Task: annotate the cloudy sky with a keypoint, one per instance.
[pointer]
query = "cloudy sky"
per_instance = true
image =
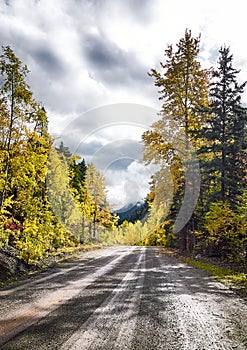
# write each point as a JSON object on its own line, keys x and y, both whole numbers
{"x": 88, "y": 62}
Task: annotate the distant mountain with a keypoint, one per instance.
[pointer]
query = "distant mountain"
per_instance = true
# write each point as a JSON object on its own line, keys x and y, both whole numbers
{"x": 132, "y": 212}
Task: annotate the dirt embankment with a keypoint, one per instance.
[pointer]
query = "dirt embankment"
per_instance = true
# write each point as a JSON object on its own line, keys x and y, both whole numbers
{"x": 12, "y": 267}
{"x": 10, "y": 264}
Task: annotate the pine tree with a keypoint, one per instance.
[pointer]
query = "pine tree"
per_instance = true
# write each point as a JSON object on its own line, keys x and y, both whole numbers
{"x": 64, "y": 150}
{"x": 77, "y": 177}
{"x": 225, "y": 133}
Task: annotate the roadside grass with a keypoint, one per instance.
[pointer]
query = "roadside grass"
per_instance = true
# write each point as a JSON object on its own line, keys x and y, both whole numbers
{"x": 236, "y": 281}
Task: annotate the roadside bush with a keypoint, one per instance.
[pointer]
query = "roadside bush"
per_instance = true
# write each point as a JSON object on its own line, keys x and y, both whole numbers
{"x": 157, "y": 238}
{"x": 223, "y": 239}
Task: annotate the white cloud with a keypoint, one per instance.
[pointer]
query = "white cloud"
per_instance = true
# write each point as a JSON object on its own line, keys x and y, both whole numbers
{"x": 91, "y": 53}
{"x": 128, "y": 186}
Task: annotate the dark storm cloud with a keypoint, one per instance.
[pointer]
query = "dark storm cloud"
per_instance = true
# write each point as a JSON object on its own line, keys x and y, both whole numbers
{"x": 48, "y": 61}
{"x": 102, "y": 54}
{"x": 115, "y": 155}
{"x": 112, "y": 65}
{"x": 140, "y": 10}
{"x": 104, "y": 135}
{"x": 102, "y": 118}
{"x": 81, "y": 70}
{"x": 88, "y": 149}
{"x": 120, "y": 164}
{"x": 121, "y": 153}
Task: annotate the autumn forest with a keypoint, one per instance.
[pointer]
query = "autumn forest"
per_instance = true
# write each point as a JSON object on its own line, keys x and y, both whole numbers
{"x": 50, "y": 199}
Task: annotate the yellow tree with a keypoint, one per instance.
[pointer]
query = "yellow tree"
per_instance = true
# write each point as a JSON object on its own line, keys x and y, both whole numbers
{"x": 19, "y": 112}
{"x": 26, "y": 215}
{"x": 64, "y": 205}
{"x": 24, "y": 145}
{"x": 183, "y": 89}
{"x": 100, "y": 212}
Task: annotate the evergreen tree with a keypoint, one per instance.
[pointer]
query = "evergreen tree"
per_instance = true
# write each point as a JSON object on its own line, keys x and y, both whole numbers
{"x": 225, "y": 134}
{"x": 78, "y": 175}
{"x": 64, "y": 150}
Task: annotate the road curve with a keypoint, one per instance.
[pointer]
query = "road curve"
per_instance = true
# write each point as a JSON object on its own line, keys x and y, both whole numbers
{"x": 122, "y": 298}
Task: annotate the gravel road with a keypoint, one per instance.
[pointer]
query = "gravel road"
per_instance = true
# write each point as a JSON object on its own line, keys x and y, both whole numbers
{"x": 122, "y": 298}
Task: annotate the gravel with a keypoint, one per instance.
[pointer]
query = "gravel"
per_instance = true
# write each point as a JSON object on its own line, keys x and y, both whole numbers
{"x": 122, "y": 298}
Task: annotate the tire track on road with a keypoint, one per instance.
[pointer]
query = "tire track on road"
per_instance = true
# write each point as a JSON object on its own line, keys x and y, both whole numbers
{"x": 19, "y": 320}
{"x": 52, "y": 275}
{"x": 113, "y": 323}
